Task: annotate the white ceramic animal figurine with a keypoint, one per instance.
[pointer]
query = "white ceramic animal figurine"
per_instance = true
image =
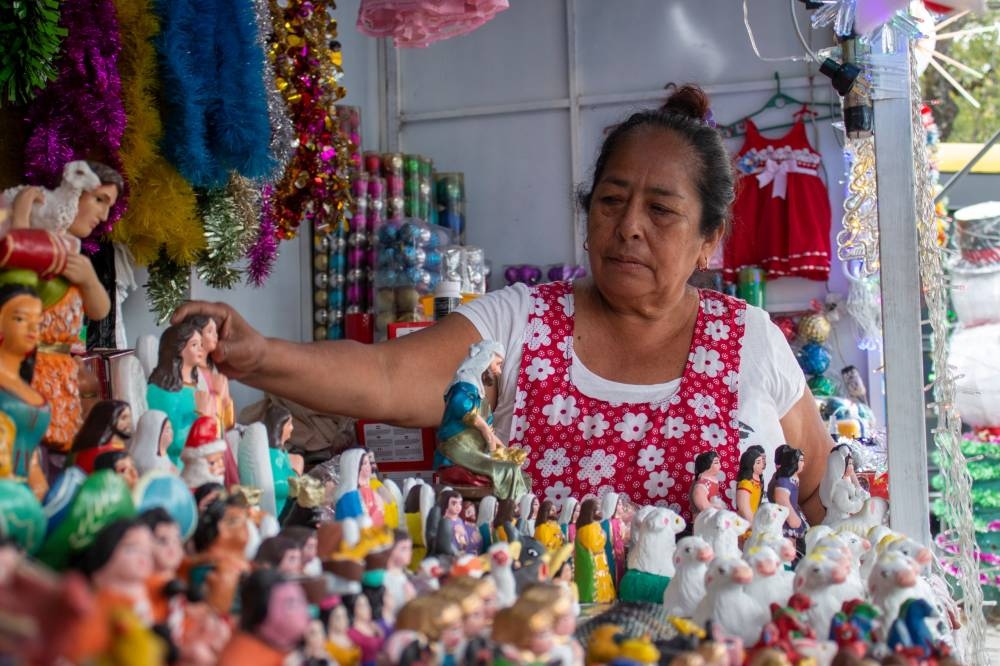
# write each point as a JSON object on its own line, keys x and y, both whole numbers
{"x": 687, "y": 587}
{"x": 501, "y": 570}
{"x": 656, "y": 541}
{"x": 875, "y": 536}
{"x": 874, "y": 512}
{"x": 893, "y": 580}
{"x": 814, "y": 534}
{"x": 58, "y": 209}
{"x": 726, "y": 602}
{"x": 836, "y": 547}
{"x": 634, "y": 528}
{"x": 771, "y": 582}
{"x": 766, "y": 526}
{"x": 721, "y": 528}
{"x": 818, "y": 576}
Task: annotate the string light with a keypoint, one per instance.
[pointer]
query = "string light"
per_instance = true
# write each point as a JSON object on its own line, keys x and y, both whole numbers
{"x": 859, "y": 238}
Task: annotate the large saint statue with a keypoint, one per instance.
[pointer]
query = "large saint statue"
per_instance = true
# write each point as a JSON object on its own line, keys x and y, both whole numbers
{"x": 466, "y": 439}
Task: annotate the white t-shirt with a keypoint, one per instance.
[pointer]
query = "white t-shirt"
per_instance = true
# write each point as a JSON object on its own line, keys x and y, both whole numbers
{"x": 771, "y": 381}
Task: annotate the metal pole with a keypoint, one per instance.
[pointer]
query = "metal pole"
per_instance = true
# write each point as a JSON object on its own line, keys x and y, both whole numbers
{"x": 968, "y": 167}
{"x": 909, "y": 508}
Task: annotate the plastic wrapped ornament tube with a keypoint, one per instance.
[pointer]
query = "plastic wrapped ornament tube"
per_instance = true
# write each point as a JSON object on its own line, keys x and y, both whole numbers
{"x": 859, "y": 237}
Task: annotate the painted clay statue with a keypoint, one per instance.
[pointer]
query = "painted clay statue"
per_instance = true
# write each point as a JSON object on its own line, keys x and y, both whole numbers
{"x": 203, "y": 453}
{"x": 474, "y": 647}
{"x": 473, "y": 539}
{"x": 524, "y": 635}
{"x": 148, "y": 446}
{"x": 264, "y": 462}
{"x": 24, "y": 412}
{"x": 771, "y": 582}
{"x": 750, "y": 481}
{"x": 547, "y": 529}
{"x": 357, "y": 506}
{"x": 527, "y": 507}
{"x": 651, "y": 560}
{"x": 502, "y": 573}
{"x": 417, "y": 506}
{"x": 438, "y": 619}
{"x": 705, "y": 489}
{"x": 687, "y": 587}
{"x": 121, "y": 463}
{"x": 168, "y": 553}
{"x": 593, "y": 577}
{"x": 338, "y": 643}
{"x": 55, "y": 209}
{"x": 108, "y": 427}
{"x": 567, "y": 518}
{"x": 209, "y": 378}
{"x": 726, "y": 602}
{"x": 840, "y": 491}
{"x": 721, "y": 529}
{"x": 612, "y": 510}
{"x": 220, "y": 542}
{"x": 558, "y": 601}
{"x": 784, "y": 490}
{"x": 273, "y": 619}
{"x": 465, "y": 436}
{"x": 173, "y": 384}
{"x": 446, "y": 534}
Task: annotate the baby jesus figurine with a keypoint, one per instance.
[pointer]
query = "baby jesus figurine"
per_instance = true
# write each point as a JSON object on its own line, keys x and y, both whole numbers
{"x": 466, "y": 439}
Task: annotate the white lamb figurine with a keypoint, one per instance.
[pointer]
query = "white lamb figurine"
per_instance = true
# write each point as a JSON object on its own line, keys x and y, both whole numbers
{"x": 836, "y": 547}
{"x": 721, "y": 528}
{"x": 818, "y": 576}
{"x": 687, "y": 587}
{"x": 655, "y": 542}
{"x": 874, "y": 512}
{"x": 637, "y": 518}
{"x": 771, "y": 582}
{"x": 930, "y": 586}
{"x": 726, "y": 602}
{"x": 58, "y": 210}
{"x": 893, "y": 580}
{"x": 875, "y": 537}
{"x": 765, "y": 529}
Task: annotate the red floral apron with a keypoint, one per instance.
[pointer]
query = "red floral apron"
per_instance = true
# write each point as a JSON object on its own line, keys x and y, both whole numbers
{"x": 581, "y": 446}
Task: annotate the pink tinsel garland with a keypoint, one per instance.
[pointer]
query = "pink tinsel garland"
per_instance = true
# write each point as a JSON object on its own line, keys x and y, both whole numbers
{"x": 80, "y": 115}
{"x": 265, "y": 249}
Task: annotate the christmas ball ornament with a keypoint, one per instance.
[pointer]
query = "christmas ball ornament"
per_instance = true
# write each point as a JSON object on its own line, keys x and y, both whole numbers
{"x": 788, "y": 327}
{"x": 814, "y": 358}
{"x": 21, "y": 517}
{"x": 821, "y": 385}
{"x": 407, "y": 299}
{"x": 814, "y": 328}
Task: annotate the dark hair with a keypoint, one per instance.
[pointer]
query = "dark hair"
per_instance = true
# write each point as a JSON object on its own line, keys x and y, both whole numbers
{"x": 274, "y": 420}
{"x": 300, "y": 534}
{"x": 446, "y": 497}
{"x": 779, "y": 452}
{"x": 546, "y": 508}
{"x": 848, "y": 458}
{"x": 109, "y": 459}
{"x": 684, "y": 113}
{"x": 200, "y": 321}
{"x": 272, "y": 550}
{"x": 208, "y": 522}
{"x": 167, "y": 373}
{"x": 703, "y": 461}
{"x": 505, "y": 512}
{"x": 99, "y": 426}
{"x": 99, "y": 552}
{"x": 376, "y": 599}
{"x": 107, "y": 175}
{"x": 206, "y": 489}
{"x": 788, "y": 465}
{"x": 153, "y": 518}
{"x": 411, "y": 504}
{"x": 7, "y": 292}
{"x": 255, "y": 595}
{"x": 588, "y": 511}
{"x": 747, "y": 461}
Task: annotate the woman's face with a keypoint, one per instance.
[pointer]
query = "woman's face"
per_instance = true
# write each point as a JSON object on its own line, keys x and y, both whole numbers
{"x": 365, "y": 472}
{"x": 715, "y": 468}
{"x": 309, "y": 549}
{"x": 338, "y": 622}
{"x": 125, "y": 468}
{"x": 210, "y": 337}
{"x": 758, "y": 465}
{"x": 123, "y": 424}
{"x": 168, "y": 548}
{"x": 193, "y": 353}
{"x": 286, "y": 431}
{"x": 93, "y": 209}
{"x": 132, "y": 559}
{"x": 469, "y": 512}
{"x": 20, "y": 323}
{"x": 166, "y": 436}
{"x": 534, "y": 508}
{"x": 362, "y": 609}
{"x": 291, "y": 562}
{"x": 644, "y": 221}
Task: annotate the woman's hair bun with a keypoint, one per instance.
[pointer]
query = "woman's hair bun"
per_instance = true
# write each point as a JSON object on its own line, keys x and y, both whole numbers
{"x": 687, "y": 100}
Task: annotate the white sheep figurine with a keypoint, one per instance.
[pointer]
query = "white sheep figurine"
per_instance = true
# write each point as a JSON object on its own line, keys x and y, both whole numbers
{"x": 721, "y": 528}
{"x": 58, "y": 209}
{"x": 650, "y": 562}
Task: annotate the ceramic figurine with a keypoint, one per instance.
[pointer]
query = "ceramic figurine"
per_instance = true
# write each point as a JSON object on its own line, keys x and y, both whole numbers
{"x": 726, "y": 602}
{"x": 305, "y": 538}
{"x": 219, "y": 542}
{"x": 465, "y": 437}
{"x": 750, "y": 481}
{"x": 108, "y": 427}
{"x": 313, "y": 651}
{"x": 771, "y": 583}
{"x": 473, "y": 539}
{"x": 446, "y": 535}
{"x": 203, "y": 453}
{"x": 558, "y": 601}
{"x": 173, "y": 384}
{"x": 567, "y": 518}
{"x": 505, "y": 523}
{"x": 615, "y": 532}
{"x": 307, "y": 504}
{"x": 527, "y": 509}
{"x": 438, "y": 619}
{"x": 168, "y": 553}
{"x": 273, "y": 620}
{"x": 485, "y": 589}
{"x": 339, "y": 645}
{"x": 474, "y": 647}
{"x": 651, "y": 560}
{"x": 363, "y": 631}
{"x": 840, "y": 491}
{"x": 502, "y": 573}
{"x": 281, "y": 554}
{"x": 593, "y": 577}
{"x": 687, "y": 587}
{"x": 547, "y": 529}
{"x": 25, "y": 411}
{"x": 767, "y": 530}
{"x": 388, "y": 492}
{"x": 722, "y": 530}
{"x": 417, "y": 506}
{"x": 396, "y": 580}
{"x": 524, "y": 635}
{"x": 708, "y": 475}
{"x": 121, "y": 463}
{"x": 784, "y": 490}
{"x": 357, "y": 506}
{"x": 818, "y": 576}
{"x": 484, "y": 521}
{"x": 148, "y": 446}
{"x": 264, "y": 463}
{"x": 850, "y": 546}
{"x": 874, "y": 512}
{"x": 284, "y": 466}
{"x": 212, "y": 381}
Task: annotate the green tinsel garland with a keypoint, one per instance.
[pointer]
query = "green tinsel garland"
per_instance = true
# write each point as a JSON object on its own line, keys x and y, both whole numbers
{"x": 31, "y": 37}
{"x": 230, "y": 217}
{"x": 167, "y": 287}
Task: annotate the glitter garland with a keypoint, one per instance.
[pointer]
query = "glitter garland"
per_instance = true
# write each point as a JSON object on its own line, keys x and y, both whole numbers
{"x": 31, "y": 35}
{"x": 306, "y": 57}
{"x": 231, "y": 219}
{"x": 859, "y": 238}
{"x": 947, "y": 434}
{"x": 282, "y": 133}
{"x": 264, "y": 251}
{"x": 167, "y": 287}
{"x": 80, "y": 115}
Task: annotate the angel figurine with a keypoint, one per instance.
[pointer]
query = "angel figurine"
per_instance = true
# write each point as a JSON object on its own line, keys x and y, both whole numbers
{"x": 840, "y": 491}
{"x": 465, "y": 437}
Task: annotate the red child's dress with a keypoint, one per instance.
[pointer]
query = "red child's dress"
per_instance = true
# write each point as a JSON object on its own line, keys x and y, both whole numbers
{"x": 781, "y": 217}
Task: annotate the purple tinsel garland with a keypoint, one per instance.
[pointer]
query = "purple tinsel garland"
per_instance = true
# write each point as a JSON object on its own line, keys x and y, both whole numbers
{"x": 80, "y": 115}
{"x": 265, "y": 249}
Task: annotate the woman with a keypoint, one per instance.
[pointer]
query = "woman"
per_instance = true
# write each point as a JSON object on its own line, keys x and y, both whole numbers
{"x": 173, "y": 384}
{"x": 150, "y": 442}
{"x": 527, "y": 508}
{"x": 704, "y": 492}
{"x": 484, "y": 522}
{"x": 750, "y": 481}
{"x": 593, "y": 575}
{"x": 624, "y": 375}
{"x": 278, "y": 421}
{"x": 547, "y": 530}
{"x": 78, "y": 293}
{"x": 209, "y": 378}
{"x": 784, "y": 489}
{"x": 567, "y": 518}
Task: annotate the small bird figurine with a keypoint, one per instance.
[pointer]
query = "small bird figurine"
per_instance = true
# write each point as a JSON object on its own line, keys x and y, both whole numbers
{"x": 501, "y": 563}
{"x": 687, "y": 587}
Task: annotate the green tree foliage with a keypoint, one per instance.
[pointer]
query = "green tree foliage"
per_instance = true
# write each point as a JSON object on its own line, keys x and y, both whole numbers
{"x": 958, "y": 120}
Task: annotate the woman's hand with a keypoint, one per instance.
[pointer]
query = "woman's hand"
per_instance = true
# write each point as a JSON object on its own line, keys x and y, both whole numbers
{"x": 80, "y": 272}
{"x": 204, "y": 404}
{"x": 23, "y": 203}
{"x": 240, "y": 349}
